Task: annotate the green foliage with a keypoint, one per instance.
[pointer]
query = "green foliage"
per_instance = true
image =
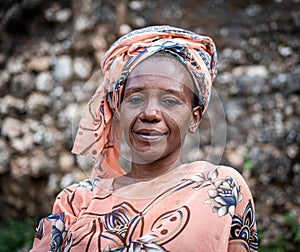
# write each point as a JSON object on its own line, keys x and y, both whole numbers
{"x": 291, "y": 221}
{"x": 248, "y": 164}
{"x": 287, "y": 241}
{"x": 15, "y": 234}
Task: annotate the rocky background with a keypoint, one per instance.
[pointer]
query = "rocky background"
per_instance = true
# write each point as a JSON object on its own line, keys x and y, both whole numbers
{"x": 49, "y": 66}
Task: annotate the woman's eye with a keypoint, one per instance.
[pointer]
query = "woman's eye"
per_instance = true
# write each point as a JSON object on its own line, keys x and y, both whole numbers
{"x": 170, "y": 101}
{"x": 135, "y": 100}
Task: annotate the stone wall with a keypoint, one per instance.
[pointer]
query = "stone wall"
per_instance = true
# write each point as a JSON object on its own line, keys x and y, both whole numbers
{"x": 49, "y": 66}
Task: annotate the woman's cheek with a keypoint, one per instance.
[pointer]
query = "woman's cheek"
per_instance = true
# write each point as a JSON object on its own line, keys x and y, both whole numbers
{"x": 128, "y": 118}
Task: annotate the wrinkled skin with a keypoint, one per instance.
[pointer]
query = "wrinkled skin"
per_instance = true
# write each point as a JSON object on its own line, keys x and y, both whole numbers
{"x": 156, "y": 114}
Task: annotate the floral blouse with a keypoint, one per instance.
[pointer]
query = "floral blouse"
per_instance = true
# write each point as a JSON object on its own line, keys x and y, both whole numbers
{"x": 195, "y": 207}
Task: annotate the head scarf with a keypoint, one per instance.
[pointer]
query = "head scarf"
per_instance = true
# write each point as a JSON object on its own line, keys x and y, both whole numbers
{"x": 98, "y": 134}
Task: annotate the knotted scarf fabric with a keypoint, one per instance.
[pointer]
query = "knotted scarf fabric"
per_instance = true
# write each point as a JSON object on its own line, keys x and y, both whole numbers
{"x": 99, "y": 134}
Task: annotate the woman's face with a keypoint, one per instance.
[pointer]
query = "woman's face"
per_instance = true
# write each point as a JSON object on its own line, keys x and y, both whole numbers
{"x": 156, "y": 111}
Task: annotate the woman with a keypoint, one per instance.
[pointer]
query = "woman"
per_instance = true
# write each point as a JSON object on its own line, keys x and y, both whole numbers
{"x": 156, "y": 88}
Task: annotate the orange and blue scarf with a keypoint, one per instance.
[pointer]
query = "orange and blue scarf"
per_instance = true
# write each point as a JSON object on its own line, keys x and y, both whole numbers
{"x": 98, "y": 134}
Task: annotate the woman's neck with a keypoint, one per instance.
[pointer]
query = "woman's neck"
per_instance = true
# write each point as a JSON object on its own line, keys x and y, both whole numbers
{"x": 147, "y": 171}
{"x": 150, "y": 170}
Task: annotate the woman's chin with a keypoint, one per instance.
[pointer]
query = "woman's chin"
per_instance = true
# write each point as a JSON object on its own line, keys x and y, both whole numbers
{"x": 146, "y": 156}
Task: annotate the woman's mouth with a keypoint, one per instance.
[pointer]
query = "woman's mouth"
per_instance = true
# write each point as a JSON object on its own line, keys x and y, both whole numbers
{"x": 149, "y": 135}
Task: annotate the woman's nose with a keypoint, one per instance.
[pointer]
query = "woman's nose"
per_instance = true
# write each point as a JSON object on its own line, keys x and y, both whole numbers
{"x": 151, "y": 115}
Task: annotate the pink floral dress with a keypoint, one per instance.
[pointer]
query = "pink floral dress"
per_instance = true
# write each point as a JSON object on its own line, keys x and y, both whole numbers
{"x": 195, "y": 207}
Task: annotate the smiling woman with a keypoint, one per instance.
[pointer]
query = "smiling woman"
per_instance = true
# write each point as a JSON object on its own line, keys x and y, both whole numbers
{"x": 156, "y": 114}
{"x": 157, "y": 86}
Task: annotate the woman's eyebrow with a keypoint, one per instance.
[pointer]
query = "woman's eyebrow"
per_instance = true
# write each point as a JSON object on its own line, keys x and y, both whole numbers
{"x": 178, "y": 94}
{"x": 132, "y": 90}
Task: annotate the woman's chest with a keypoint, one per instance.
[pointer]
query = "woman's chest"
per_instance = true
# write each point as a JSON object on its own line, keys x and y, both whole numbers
{"x": 169, "y": 222}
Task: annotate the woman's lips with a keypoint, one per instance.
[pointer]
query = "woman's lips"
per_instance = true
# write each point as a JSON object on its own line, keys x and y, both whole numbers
{"x": 149, "y": 135}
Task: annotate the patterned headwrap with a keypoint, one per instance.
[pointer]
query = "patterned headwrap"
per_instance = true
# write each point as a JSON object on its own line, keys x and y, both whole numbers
{"x": 98, "y": 134}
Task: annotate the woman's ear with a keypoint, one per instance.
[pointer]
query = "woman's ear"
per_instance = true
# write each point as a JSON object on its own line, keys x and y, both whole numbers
{"x": 197, "y": 116}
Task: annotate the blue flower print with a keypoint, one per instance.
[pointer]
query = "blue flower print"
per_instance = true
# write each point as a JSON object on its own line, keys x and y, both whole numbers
{"x": 58, "y": 232}
{"x": 243, "y": 228}
{"x": 225, "y": 196}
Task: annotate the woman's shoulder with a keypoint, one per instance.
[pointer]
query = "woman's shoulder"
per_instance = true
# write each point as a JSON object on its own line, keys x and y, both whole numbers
{"x": 215, "y": 170}
{"x": 78, "y": 196}
{"x": 220, "y": 176}
{"x": 84, "y": 186}
{"x": 80, "y": 191}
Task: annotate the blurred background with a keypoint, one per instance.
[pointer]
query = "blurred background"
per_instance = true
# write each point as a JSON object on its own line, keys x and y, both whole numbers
{"x": 49, "y": 50}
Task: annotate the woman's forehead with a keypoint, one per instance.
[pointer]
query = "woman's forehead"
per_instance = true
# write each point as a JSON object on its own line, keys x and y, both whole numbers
{"x": 165, "y": 67}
